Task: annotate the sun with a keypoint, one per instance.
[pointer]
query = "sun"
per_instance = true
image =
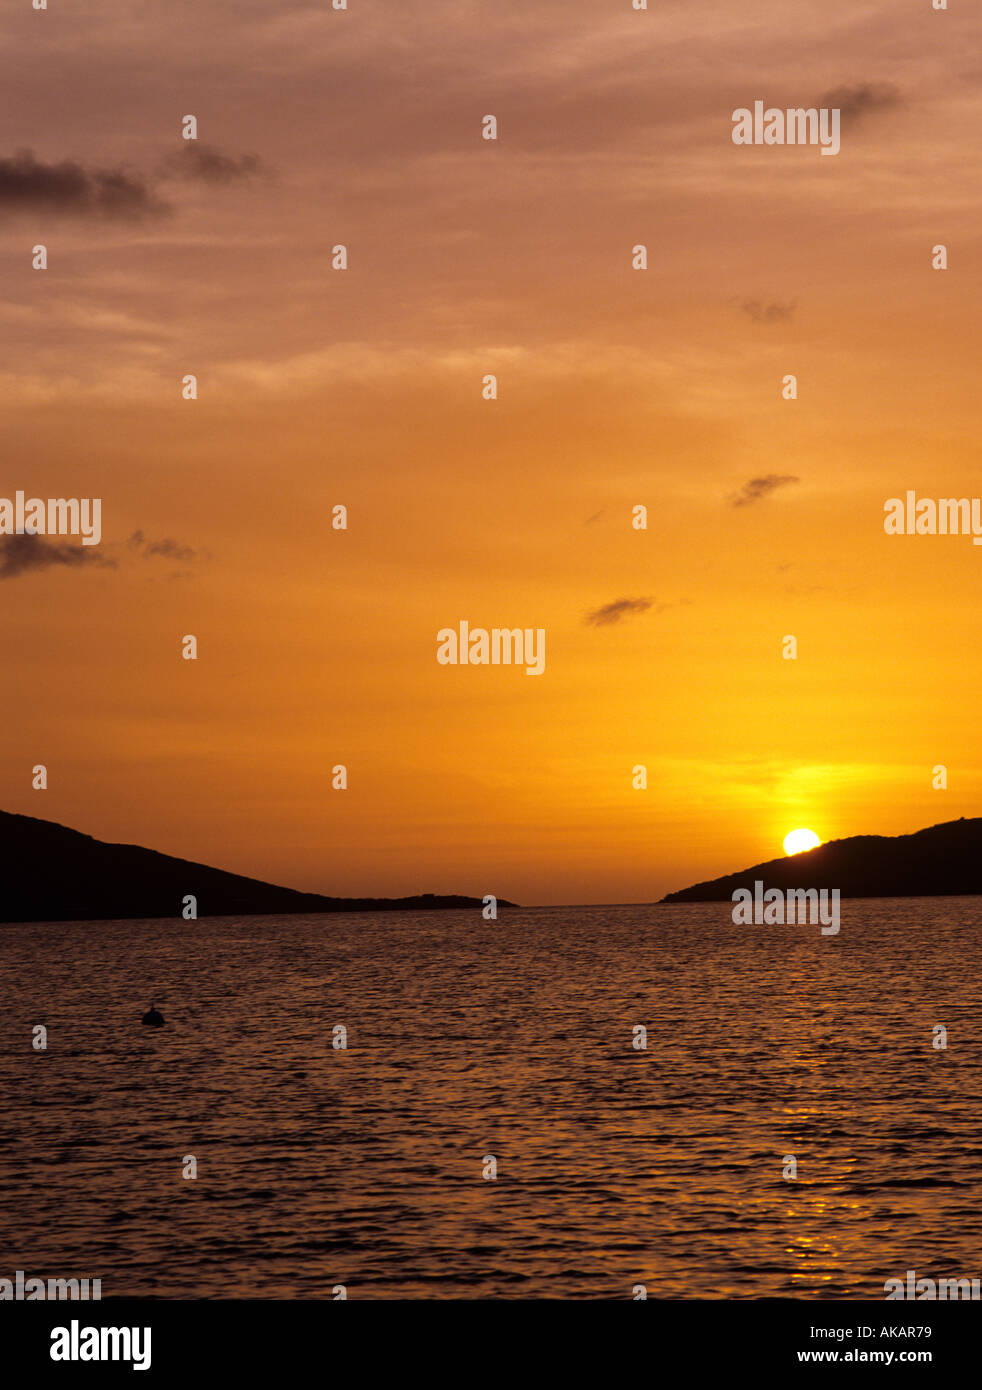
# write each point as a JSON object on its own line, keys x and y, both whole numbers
{"x": 797, "y": 840}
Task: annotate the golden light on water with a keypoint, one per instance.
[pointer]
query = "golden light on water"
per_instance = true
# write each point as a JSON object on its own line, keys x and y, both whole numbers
{"x": 797, "y": 840}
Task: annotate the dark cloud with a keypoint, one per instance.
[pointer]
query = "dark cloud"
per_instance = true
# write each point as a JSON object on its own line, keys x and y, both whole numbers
{"x": 757, "y": 488}
{"x": 169, "y": 549}
{"x": 777, "y": 312}
{"x": 208, "y": 165}
{"x": 28, "y": 184}
{"x": 619, "y": 608}
{"x": 22, "y": 554}
{"x": 863, "y": 99}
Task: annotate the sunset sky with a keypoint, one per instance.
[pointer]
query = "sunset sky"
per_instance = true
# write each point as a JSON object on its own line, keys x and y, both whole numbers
{"x": 363, "y": 387}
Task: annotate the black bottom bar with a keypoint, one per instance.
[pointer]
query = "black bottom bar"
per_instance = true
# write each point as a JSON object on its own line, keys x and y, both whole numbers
{"x": 482, "y": 1340}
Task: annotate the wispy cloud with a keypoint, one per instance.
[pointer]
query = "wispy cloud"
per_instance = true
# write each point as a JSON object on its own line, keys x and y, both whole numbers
{"x": 756, "y": 488}
{"x": 167, "y": 548}
{"x": 862, "y": 99}
{"x": 617, "y": 609}
{"x": 25, "y": 554}
{"x": 775, "y": 312}
{"x": 208, "y": 165}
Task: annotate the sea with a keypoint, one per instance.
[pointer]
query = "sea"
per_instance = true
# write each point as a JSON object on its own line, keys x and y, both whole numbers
{"x": 565, "y": 1103}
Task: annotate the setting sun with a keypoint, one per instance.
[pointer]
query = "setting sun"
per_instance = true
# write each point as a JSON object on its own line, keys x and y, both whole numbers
{"x": 797, "y": 840}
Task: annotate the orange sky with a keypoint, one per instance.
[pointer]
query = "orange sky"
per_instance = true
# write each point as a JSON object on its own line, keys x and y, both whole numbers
{"x": 616, "y": 387}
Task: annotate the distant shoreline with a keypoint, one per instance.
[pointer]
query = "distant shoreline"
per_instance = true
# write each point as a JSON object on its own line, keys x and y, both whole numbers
{"x": 54, "y": 874}
{"x": 508, "y": 908}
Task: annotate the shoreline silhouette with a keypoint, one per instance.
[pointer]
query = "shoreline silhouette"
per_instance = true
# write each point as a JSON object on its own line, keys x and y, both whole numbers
{"x": 942, "y": 860}
{"x": 55, "y": 874}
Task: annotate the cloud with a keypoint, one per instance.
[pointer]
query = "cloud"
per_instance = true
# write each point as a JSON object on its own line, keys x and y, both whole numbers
{"x": 207, "y": 165}
{"x": 777, "y": 312}
{"x": 619, "y": 608}
{"x": 28, "y": 184}
{"x": 863, "y": 99}
{"x": 757, "y": 488}
{"x": 22, "y": 554}
{"x": 169, "y": 549}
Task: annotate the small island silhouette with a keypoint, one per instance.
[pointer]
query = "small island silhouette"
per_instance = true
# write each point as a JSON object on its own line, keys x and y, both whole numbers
{"x": 53, "y": 874}
{"x": 944, "y": 859}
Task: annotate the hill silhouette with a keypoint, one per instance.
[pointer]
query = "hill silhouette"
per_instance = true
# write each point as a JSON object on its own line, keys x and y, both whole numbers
{"x": 942, "y": 860}
{"x": 53, "y": 874}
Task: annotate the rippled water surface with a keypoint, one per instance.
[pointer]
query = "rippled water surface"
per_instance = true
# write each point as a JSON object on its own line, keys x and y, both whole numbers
{"x": 466, "y": 1038}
